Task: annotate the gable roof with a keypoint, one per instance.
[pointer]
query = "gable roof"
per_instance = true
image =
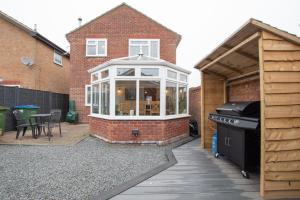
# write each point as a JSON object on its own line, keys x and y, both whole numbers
{"x": 250, "y": 27}
{"x": 32, "y": 33}
{"x": 138, "y": 60}
{"x": 119, "y": 6}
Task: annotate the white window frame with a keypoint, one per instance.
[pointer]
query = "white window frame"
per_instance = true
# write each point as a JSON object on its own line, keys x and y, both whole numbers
{"x": 96, "y": 40}
{"x": 161, "y": 77}
{"x": 58, "y": 63}
{"x": 172, "y": 79}
{"x": 127, "y": 67}
{"x": 148, "y": 44}
{"x": 86, "y": 95}
{"x": 187, "y": 97}
{"x": 181, "y": 74}
{"x": 149, "y": 68}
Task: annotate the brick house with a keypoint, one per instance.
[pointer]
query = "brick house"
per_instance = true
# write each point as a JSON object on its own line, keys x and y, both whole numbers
{"x": 29, "y": 60}
{"x": 126, "y": 80}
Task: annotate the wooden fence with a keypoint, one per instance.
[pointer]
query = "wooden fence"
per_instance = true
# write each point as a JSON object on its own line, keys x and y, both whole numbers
{"x": 13, "y": 96}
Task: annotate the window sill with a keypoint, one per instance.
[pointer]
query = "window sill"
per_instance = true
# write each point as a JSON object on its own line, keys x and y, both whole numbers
{"x": 127, "y": 117}
{"x": 96, "y": 56}
{"x": 58, "y": 64}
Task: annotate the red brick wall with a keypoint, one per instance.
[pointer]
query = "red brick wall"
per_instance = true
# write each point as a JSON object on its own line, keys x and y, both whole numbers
{"x": 195, "y": 103}
{"x": 44, "y": 75}
{"x": 150, "y": 130}
{"x": 118, "y": 25}
{"x": 248, "y": 91}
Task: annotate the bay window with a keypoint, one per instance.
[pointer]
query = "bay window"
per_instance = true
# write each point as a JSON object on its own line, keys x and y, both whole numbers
{"x": 125, "y": 98}
{"x": 95, "y": 98}
{"x": 148, "y": 92}
{"x": 125, "y": 72}
{"x": 105, "y": 94}
{"x": 149, "y": 72}
{"x": 171, "y": 98}
{"x": 149, "y": 103}
{"x": 182, "y": 99}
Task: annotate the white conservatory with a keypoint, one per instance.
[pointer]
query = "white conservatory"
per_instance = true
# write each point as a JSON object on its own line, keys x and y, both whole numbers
{"x": 135, "y": 89}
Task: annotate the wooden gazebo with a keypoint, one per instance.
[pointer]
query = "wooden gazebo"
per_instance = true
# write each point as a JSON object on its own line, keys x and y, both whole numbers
{"x": 264, "y": 55}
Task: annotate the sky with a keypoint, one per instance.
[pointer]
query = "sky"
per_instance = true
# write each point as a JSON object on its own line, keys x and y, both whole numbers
{"x": 202, "y": 24}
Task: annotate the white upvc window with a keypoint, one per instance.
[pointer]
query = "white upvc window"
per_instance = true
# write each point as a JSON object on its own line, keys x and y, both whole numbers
{"x": 147, "y": 47}
{"x": 96, "y": 47}
{"x": 57, "y": 58}
{"x": 183, "y": 78}
{"x": 88, "y": 95}
{"x": 172, "y": 74}
{"x": 144, "y": 92}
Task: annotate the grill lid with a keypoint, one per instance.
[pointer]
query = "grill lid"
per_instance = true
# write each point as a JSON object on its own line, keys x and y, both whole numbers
{"x": 244, "y": 109}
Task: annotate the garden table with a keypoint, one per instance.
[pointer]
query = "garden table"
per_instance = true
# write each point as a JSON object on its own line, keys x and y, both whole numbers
{"x": 42, "y": 120}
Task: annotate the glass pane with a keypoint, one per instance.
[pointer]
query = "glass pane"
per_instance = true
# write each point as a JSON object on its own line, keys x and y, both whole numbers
{"x": 182, "y": 99}
{"x": 104, "y": 74}
{"x": 134, "y": 50}
{"x": 101, "y": 47}
{"x": 183, "y": 77}
{"x": 95, "y": 77}
{"x": 172, "y": 74}
{"x": 149, "y": 98}
{"x": 139, "y": 42}
{"x": 149, "y": 72}
{"x": 145, "y": 50}
{"x": 91, "y": 50}
{"x": 125, "y": 97}
{"x": 92, "y": 42}
{"x": 57, "y": 58}
{"x": 125, "y": 72}
{"x": 154, "y": 49}
{"x": 95, "y": 103}
{"x": 105, "y": 90}
{"x": 170, "y": 98}
{"x": 88, "y": 95}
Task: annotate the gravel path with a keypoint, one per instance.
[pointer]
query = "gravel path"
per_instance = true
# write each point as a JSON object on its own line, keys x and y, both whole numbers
{"x": 72, "y": 172}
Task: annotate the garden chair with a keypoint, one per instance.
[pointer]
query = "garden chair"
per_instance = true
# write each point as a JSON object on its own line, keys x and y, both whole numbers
{"x": 55, "y": 120}
{"x": 22, "y": 124}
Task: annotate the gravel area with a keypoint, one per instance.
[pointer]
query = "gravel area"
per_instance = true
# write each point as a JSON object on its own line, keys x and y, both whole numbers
{"x": 72, "y": 172}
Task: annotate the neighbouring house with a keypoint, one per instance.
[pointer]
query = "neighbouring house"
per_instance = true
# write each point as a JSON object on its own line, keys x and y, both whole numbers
{"x": 125, "y": 80}
{"x": 29, "y": 60}
{"x": 259, "y": 63}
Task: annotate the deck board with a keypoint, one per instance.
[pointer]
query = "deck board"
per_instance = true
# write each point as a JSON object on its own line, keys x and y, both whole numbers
{"x": 197, "y": 175}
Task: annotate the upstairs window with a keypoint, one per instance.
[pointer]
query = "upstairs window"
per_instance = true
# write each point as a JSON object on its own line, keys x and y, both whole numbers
{"x": 96, "y": 47}
{"x": 57, "y": 58}
{"x": 147, "y": 47}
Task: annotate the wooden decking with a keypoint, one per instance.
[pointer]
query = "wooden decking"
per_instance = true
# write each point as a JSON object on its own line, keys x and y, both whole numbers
{"x": 197, "y": 175}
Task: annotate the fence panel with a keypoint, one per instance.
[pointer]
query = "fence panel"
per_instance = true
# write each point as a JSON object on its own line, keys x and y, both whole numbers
{"x": 13, "y": 96}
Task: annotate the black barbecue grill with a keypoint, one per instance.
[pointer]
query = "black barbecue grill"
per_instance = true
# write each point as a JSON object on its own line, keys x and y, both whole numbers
{"x": 238, "y": 130}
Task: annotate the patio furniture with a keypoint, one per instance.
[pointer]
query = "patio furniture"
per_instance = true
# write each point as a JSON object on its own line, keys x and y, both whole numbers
{"x": 42, "y": 123}
{"x": 22, "y": 124}
{"x": 27, "y": 110}
{"x": 55, "y": 120}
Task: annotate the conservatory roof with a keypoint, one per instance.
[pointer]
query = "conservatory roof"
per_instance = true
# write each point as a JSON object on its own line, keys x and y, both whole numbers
{"x": 138, "y": 60}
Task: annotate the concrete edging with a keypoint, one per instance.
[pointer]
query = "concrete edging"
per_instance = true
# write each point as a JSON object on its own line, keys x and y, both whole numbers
{"x": 125, "y": 186}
